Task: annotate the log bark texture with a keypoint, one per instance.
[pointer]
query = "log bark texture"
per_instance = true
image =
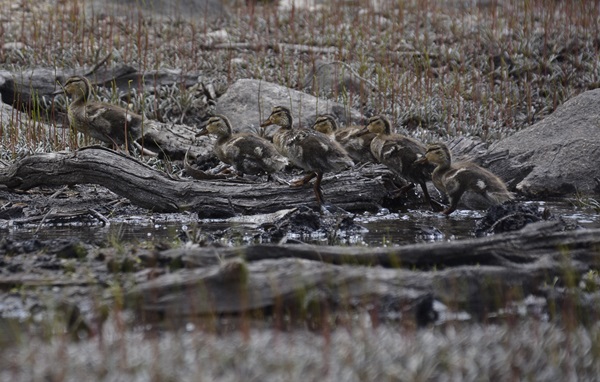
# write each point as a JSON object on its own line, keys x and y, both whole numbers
{"x": 157, "y": 191}
{"x": 478, "y": 276}
{"x": 512, "y": 250}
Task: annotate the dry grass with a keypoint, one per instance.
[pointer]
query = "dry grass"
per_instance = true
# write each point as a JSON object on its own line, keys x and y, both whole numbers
{"x": 441, "y": 68}
{"x": 524, "y": 351}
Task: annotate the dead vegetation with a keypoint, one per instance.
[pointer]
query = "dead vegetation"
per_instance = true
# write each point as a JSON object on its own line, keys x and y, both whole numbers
{"x": 440, "y": 68}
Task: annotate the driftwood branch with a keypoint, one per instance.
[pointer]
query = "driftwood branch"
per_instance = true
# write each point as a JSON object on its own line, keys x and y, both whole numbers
{"x": 513, "y": 250}
{"x": 157, "y": 191}
{"x": 275, "y": 47}
{"x": 279, "y": 47}
{"x": 476, "y": 275}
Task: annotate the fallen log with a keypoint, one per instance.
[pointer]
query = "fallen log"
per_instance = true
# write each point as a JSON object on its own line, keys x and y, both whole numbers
{"x": 155, "y": 190}
{"x": 292, "y": 288}
{"x": 478, "y": 276}
{"x": 511, "y": 250}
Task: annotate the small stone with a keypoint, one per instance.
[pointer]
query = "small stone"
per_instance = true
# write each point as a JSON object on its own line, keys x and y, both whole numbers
{"x": 217, "y": 36}
{"x": 239, "y": 62}
{"x": 13, "y": 46}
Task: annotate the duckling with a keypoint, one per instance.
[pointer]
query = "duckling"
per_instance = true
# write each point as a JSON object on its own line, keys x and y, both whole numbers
{"x": 248, "y": 153}
{"x": 400, "y": 153}
{"x": 454, "y": 179}
{"x": 108, "y": 123}
{"x": 308, "y": 149}
{"x": 356, "y": 140}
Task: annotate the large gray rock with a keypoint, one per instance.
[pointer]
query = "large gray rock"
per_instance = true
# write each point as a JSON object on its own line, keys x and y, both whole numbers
{"x": 335, "y": 77}
{"x": 8, "y": 115}
{"x": 249, "y": 102}
{"x": 557, "y": 156}
{"x": 184, "y": 9}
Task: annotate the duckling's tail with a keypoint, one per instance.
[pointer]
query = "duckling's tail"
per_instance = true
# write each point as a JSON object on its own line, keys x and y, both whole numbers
{"x": 500, "y": 197}
{"x": 341, "y": 161}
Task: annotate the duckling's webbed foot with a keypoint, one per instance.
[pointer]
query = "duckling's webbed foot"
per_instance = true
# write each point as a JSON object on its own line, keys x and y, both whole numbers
{"x": 303, "y": 181}
{"x": 436, "y": 206}
{"x": 227, "y": 170}
{"x": 401, "y": 191}
{"x": 453, "y": 205}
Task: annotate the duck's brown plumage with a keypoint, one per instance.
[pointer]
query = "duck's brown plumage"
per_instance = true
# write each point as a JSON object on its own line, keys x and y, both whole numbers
{"x": 454, "y": 179}
{"x": 400, "y": 153}
{"x": 308, "y": 149}
{"x": 248, "y": 153}
{"x": 108, "y": 123}
{"x": 356, "y": 140}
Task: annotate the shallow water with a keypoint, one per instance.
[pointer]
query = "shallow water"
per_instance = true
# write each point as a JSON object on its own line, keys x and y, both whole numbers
{"x": 384, "y": 228}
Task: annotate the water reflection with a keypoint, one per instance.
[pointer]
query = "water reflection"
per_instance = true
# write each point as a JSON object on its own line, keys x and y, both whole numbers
{"x": 384, "y": 228}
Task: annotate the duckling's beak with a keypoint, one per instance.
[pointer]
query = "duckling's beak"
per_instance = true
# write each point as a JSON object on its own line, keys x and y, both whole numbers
{"x": 203, "y": 131}
{"x": 364, "y": 131}
{"x": 266, "y": 123}
{"x": 422, "y": 160}
{"x": 57, "y": 92}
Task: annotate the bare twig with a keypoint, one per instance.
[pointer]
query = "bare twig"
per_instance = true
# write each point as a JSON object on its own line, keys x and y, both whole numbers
{"x": 98, "y": 65}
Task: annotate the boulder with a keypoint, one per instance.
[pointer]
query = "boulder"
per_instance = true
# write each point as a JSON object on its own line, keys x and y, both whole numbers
{"x": 8, "y": 115}
{"x": 249, "y": 102}
{"x": 185, "y": 9}
{"x": 335, "y": 77}
{"x": 557, "y": 156}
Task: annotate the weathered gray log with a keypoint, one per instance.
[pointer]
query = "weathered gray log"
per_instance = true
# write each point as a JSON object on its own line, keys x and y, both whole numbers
{"x": 511, "y": 250}
{"x": 23, "y": 89}
{"x": 293, "y": 276}
{"x": 155, "y": 190}
{"x": 295, "y": 287}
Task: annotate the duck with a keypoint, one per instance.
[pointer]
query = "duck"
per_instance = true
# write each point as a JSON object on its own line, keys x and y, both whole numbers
{"x": 308, "y": 149}
{"x": 246, "y": 152}
{"x": 454, "y": 179}
{"x": 356, "y": 140}
{"x": 400, "y": 154}
{"x": 105, "y": 122}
